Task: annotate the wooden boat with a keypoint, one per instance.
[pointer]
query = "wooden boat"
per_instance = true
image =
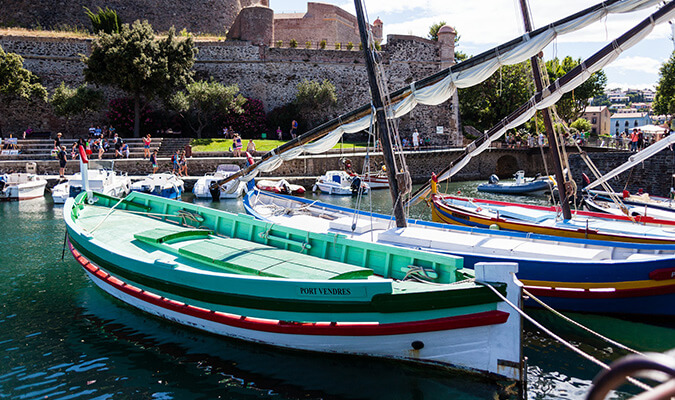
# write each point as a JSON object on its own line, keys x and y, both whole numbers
{"x": 377, "y": 180}
{"x": 340, "y": 183}
{"x": 638, "y": 212}
{"x": 516, "y": 217}
{"x": 280, "y": 186}
{"x": 231, "y": 190}
{"x": 522, "y": 185}
{"x": 640, "y": 204}
{"x": 163, "y": 184}
{"x": 236, "y": 276}
{"x": 102, "y": 178}
{"x": 21, "y": 186}
{"x": 569, "y": 274}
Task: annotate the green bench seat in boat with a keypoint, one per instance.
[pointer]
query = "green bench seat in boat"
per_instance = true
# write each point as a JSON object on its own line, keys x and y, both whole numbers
{"x": 245, "y": 257}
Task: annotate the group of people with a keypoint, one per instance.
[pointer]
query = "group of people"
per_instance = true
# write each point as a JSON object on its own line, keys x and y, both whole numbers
{"x": 178, "y": 160}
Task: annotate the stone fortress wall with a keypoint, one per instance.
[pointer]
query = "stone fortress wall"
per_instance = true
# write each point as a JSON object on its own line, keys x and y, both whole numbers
{"x": 266, "y": 73}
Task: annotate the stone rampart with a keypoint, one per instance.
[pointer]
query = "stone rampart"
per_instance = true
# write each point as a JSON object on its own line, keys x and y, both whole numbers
{"x": 268, "y": 74}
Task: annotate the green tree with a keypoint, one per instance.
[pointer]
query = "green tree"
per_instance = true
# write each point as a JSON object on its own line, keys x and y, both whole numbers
{"x": 581, "y": 125}
{"x": 433, "y": 30}
{"x": 664, "y": 101}
{"x": 315, "y": 101}
{"x": 68, "y": 102}
{"x": 16, "y": 82}
{"x": 203, "y": 100}
{"x": 485, "y": 104}
{"x": 104, "y": 20}
{"x": 572, "y": 104}
{"x": 140, "y": 64}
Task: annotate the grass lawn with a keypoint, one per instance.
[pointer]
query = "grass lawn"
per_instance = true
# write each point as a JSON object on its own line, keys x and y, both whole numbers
{"x": 262, "y": 145}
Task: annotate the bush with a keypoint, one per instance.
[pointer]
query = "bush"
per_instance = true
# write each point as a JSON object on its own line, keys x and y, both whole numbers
{"x": 322, "y": 44}
{"x": 250, "y": 124}
{"x": 293, "y": 43}
{"x": 308, "y": 44}
{"x": 279, "y": 43}
{"x": 350, "y": 45}
{"x": 105, "y": 20}
{"x": 338, "y": 46}
{"x": 360, "y": 46}
{"x": 121, "y": 116}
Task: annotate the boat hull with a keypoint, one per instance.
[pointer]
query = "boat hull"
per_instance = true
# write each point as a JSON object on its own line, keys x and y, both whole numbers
{"x": 505, "y": 188}
{"x": 23, "y": 187}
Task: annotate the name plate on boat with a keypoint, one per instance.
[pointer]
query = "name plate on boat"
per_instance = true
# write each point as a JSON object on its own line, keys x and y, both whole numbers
{"x": 332, "y": 292}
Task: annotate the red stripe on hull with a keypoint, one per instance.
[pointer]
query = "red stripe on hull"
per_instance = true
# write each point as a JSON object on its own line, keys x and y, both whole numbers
{"x": 284, "y": 327}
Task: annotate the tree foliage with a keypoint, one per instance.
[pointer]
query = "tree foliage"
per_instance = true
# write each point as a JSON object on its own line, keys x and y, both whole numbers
{"x": 664, "y": 101}
{"x": 572, "y": 104}
{"x": 140, "y": 64}
{"x": 315, "y": 101}
{"x": 104, "y": 20}
{"x": 433, "y": 30}
{"x": 485, "y": 104}
{"x": 68, "y": 101}
{"x": 203, "y": 101}
{"x": 581, "y": 125}
{"x": 16, "y": 82}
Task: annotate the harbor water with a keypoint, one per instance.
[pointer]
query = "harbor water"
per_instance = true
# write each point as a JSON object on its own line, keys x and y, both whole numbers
{"x": 63, "y": 338}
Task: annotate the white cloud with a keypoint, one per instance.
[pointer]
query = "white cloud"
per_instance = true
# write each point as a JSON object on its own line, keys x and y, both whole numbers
{"x": 645, "y": 65}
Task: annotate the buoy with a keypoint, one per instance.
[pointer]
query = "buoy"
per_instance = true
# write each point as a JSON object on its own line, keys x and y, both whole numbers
{"x": 494, "y": 227}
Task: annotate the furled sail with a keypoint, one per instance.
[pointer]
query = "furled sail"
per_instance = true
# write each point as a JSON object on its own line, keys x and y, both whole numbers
{"x": 550, "y": 95}
{"x": 439, "y": 87}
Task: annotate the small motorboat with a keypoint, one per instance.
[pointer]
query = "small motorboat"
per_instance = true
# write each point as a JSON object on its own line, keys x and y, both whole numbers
{"x": 280, "y": 186}
{"x": 341, "y": 183}
{"x": 21, "y": 186}
{"x": 230, "y": 190}
{"x": 164, "y": 185}
{"x": 102, "y": 178}
{"x": 377, "y": 180}
{"x": 522, "y": 185}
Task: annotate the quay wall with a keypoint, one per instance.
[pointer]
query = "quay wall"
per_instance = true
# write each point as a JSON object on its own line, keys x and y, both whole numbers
{"x": 268, "y": 74}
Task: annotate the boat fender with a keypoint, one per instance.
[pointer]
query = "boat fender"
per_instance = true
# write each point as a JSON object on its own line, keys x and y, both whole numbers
{"x": 494, "y": 227}
{"x": 586, "y": 179}
{"x": 493, "y": 179}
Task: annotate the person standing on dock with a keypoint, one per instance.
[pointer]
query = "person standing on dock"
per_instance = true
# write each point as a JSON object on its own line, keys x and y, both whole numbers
{"x": 63, "y": 160}
{"x": 416, "y": 140}
{"x": 153, "y": 161}
{"x": 146, "y": 146}
{"x": 294, "y": 129}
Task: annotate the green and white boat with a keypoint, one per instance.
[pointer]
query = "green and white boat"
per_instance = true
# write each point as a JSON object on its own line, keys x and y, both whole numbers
{"x": 239, "y": 277}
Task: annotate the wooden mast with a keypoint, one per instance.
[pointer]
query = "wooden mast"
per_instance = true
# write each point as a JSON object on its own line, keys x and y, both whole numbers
{"x": 387, "y": 148}
{"x": 553, "y": 147}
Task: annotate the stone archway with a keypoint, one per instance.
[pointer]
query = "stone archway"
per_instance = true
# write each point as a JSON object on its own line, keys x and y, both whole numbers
{"x": 507, "y": 165}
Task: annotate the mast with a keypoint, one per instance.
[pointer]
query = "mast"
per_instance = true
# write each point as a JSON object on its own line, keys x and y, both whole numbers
{"x": 553, "y": 148}
{"x": 387, "y": 148}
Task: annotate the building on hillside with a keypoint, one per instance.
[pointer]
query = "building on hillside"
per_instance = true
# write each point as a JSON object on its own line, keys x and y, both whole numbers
{"x": 321, "y": 22}
{"x": 618, "y": 98}
{"x": 599, "y": 117}
{"x": 625, "y": 122}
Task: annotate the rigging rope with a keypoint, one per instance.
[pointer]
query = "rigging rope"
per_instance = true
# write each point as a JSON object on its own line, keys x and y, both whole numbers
{"x": 559, "y": 339}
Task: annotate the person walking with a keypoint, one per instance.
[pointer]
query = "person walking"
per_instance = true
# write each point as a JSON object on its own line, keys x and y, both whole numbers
{"x": 294, "y": 129}
{"x": 279, "y": 133}
{"x": 634, "y": 137}
{"x": 416, "y": 140}
{"x": 63, "y": 160}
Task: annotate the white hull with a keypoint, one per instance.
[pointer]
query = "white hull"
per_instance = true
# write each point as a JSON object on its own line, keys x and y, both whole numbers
{"x": 102, "y": 181}
{"x": 231, "y": 190}
{"x": 477, "y": 348}
{"x": 338, "y": 183}
{"x": 26, "y": 187}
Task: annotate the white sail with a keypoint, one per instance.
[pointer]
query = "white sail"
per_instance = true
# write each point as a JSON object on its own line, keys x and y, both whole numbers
{"x": 459, "y": 76}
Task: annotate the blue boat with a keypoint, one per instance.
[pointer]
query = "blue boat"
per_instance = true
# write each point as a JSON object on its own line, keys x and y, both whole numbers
{"x": 522, "y": 185}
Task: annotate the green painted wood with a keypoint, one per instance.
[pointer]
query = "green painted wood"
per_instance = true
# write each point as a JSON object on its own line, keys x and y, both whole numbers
{"x": 169, "y": 235}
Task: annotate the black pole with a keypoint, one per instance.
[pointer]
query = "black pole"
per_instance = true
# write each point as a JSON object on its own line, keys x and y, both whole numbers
{"x": 553, "y": 148}
{"x": 387, "y": 148}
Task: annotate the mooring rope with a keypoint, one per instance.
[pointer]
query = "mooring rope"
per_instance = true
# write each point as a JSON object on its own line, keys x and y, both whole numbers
{"x": 575, "y": 323}
{"x": 561, "y": 340}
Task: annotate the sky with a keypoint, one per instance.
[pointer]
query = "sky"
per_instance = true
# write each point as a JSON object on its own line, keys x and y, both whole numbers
{"x": 484, "y": 24}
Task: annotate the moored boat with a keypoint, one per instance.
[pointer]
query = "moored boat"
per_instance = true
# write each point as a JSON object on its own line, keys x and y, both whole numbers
{"x": 163, "y": 184}
{"x": 521, "y": 185}
{"x": 21, "y": 186}
{"x": 236, "y": 276}
{"x": 340, "y": 183}
{"x": 281, "y": 186}
{"x": 377, "y": 180}
{"x": 231, "y": 190}
{"x": 102, "y": 178}
{"x": 569, "y": 274}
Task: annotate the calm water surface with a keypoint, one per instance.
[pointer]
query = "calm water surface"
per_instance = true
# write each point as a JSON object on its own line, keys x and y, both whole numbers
{"x": 62, "y": 338}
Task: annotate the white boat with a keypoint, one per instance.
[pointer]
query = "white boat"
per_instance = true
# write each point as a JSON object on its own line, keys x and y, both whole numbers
{"x": 164, "y": 185}
{"x": 21, "y": 186}
{"x": 102, "y": 179}
{"x": 341, "y": 183}
{"x": 230, "y": 190}
{"x": 281, "y": 186}
{"x": 377, "y": 180}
